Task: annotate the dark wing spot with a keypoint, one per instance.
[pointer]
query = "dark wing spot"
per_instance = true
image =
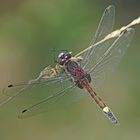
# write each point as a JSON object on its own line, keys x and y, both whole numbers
{"x": 24, "y": 110}
{"x": 10, "y": 86}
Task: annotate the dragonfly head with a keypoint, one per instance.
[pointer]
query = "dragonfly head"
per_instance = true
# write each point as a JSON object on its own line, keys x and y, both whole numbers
{"x": 63, "y": 57}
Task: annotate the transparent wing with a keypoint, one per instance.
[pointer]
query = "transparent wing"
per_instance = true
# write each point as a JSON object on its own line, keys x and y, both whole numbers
{"x": 48, "y": 103}
{"x": 58, "y": 96}
{"x": 106, "y": 24}
{"x": 109, "y": 60}
{"x": 105, "y": 27}
{"x": 13, "y": 91}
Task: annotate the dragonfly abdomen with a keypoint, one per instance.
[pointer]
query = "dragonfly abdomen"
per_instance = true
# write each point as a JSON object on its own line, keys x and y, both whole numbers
{"x": 106, "y": 110}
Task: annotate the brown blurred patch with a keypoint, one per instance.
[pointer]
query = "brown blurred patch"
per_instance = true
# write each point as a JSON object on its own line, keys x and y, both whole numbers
{"x": 10, "y": 6}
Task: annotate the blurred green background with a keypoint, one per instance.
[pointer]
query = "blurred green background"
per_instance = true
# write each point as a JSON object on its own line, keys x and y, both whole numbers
{"x": 29, "y": 30}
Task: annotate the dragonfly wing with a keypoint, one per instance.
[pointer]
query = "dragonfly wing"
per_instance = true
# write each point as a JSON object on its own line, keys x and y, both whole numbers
{"x": 105, "y": 27}
{"x": 46, "y": 104}
{"x": 106, "y": 24}
{"x": 109, "y": 60}
{"x": 13, "y": 91}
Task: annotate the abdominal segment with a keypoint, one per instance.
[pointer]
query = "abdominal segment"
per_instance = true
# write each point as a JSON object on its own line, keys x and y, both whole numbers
{"x": 106, "y": 110}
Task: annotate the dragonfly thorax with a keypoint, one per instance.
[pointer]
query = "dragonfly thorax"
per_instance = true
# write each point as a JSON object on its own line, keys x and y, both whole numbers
{"x": 63, "y": 57}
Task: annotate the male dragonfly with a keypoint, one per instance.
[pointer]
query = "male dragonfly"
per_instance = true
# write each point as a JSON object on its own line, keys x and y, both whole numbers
{"x": 85, "y": 70}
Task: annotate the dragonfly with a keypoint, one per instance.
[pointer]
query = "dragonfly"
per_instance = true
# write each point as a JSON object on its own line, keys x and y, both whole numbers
{"x": 85, "y": 70}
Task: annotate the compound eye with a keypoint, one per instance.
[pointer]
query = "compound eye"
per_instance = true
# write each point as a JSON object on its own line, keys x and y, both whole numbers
{"x": 66, "y": 56}
{"x": 62, "y": 62}
{"x": 63, "y": 56}
{"x": 60, "y": 55}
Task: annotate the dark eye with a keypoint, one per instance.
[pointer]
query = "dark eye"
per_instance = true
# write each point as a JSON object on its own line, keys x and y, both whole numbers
{"x": 62, "y": 57}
